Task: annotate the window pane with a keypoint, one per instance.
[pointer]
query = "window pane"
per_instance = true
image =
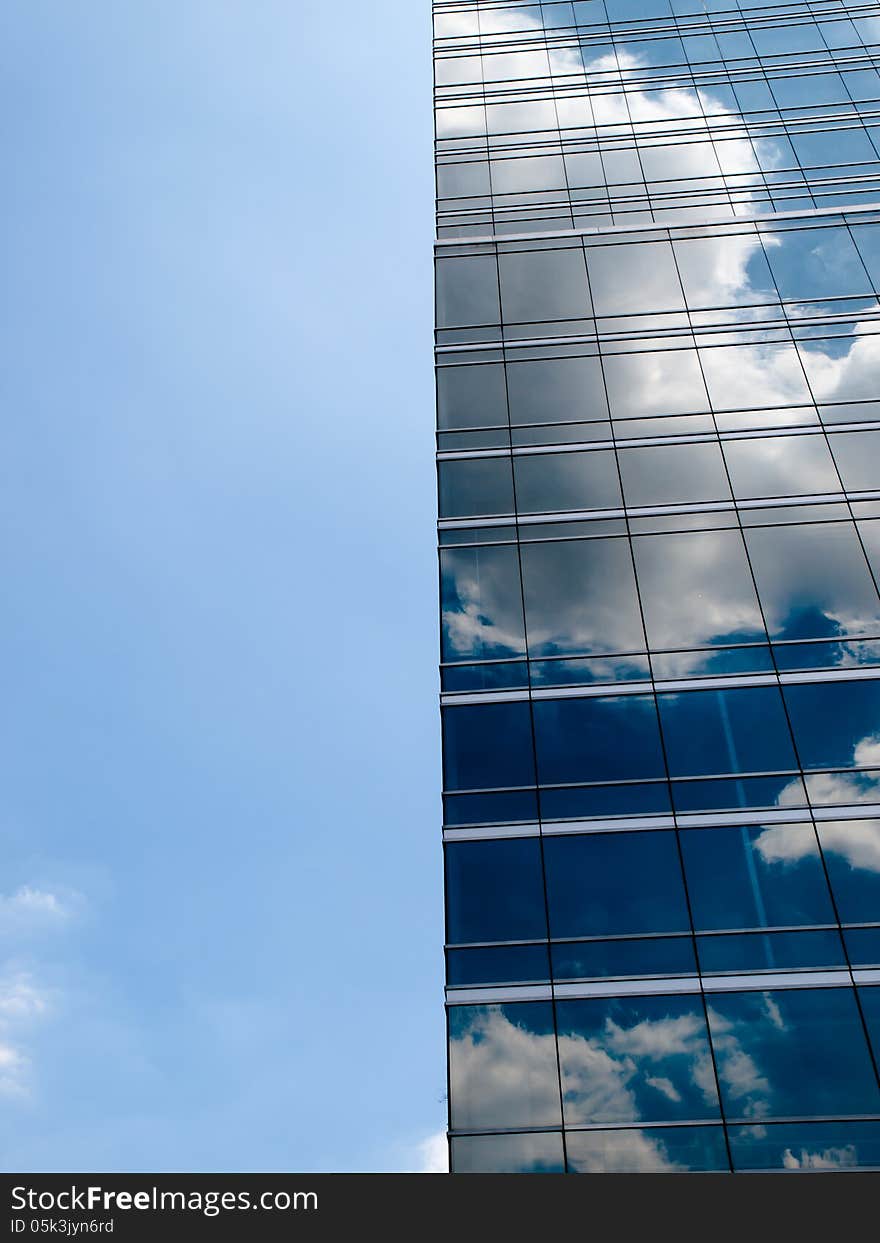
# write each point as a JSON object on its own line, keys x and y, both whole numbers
{"x": 791, "y": 1053}
{"x": 481, "y": 604}
{"x": 673, "y": 474}
{"x": 658, "y": 383}
{"x": 724, "y": 271}
{"x": 852, "y": 856}
{"x": 473, "y": 486}
{"x": 696, "y": 589}
{"x": 806, "y": 1146}
{"x": 605, "y": 884}
{"x": 645, "y": 956}
{"x": 495, "y": 891}
{"x": 781, "y": 466}
{"x": 471, "y": 397}
{"x": 556, "y": 390}
{"x": 597, "y": 739}
{"x": 634, "y": 278}
{"x": 745, "y": 376}
{"x": 715, "y": 732}
{"x": 656, "y": 1150}
{"x": 633, "y": 1059}
{"x": 813, "y": 581}
{"x": 836, "y": 724}
{"x": 814, "y": 263}
{"x": 502, "y": 1066}
{"x": 755, "y": 877}
{"x": 544, "y": 284}
{"x": 508, "y": 1154}
{"x": 552, "y": 482}
{"x": 581, "y": 597}
{"x": 771, "y": 951}
{"x": 467, "y": 291}
{"x": 487, "y": 746}
{"x": 858, "y": 459}
{"x": 510, "y": 964}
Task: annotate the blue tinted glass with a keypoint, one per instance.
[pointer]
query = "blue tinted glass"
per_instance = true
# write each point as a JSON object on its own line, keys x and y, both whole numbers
{"x": 870, "y": 1003}
{"x": 612, "y": 800}
{"x": 868, "y": 242}
{"x": 502, "y": 1066}
{"x": 505, "y": 676}
{"x": 771, "y": 951}
{"x": 751, "y": 792}
{"x": 515, "y": 964}
{"x": 863, "y": 946}
{"x": 815, "y": 263}
{"x": 725, "y": 732}
{"x": 755, "y": 877}
{"x": 654, "y": 1150}
{"x": 835, "y": 724}
{"x": 852, "y": 856}
{"x": 635, "y": 1059}
{"x": 509, "y": 807}
{"x": 806, "y": 1146}
{"x": 597, "y": 739}
{"x": 495, "y": 891}
{"x": 539, "y": 1153}
{"x": 481, "y": 604}
{"x": 585, "y": 960}
{"x": 608, "y": 883}
{"x": 792, "y": 1053}
{"x": 488, "y": 746}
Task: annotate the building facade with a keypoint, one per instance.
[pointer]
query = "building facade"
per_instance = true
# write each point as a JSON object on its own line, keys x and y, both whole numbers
{"x": 658, "y": 384}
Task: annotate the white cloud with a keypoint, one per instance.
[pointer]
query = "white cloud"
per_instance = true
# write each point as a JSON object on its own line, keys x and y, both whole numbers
{"x": 828, "y": 1159}
{"x": 30, "y": 908}
{"x": 23, "y": 1002}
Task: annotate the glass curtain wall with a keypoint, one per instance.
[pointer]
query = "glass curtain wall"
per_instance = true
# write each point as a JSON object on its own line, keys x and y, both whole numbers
{"x": 658, "y": 434}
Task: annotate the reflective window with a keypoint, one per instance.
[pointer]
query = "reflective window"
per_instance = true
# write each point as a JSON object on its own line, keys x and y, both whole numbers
{"x": 858, "y": 459}
{"x": 791, "y": 1053}
{"x": 724, "y": 271}
{"x": 502, "y": 1066}
{"x": 473, "y": 486}
{"x": 467, "y": 291}
{"x": 867, "y": 238}
{"x": 537, "y": 172}
{"x": 836, "y": 724}
{"x": 735, "y": 731}
{"x": 780, "y": 466}
{"x": 495, "y": 891}
{"x": 601, "y": 738}
{"x": 580, "y": 596}
{"x": 805, "y": 1146}
{"x": 487, "y": 746}
{"x": 652, "y": 1150}
{"x": 552, "y": 482}
{"x": 481, "y": 605}
{"x": 539, "y": 1153}
{"x": 635, "y": 1059}
{"x": 634, "y": 278}
{"x": 673, "y": 474}
{"x": 605, "y": 884}
{"x": 814, "y": 263}
{"x": 696, "y": 589}
{"x": 556, "y": 390}
{"x": 471, "y": 397}
{"x": 544, "y": 284}
{"x": 741, "y": 376}
{"x": 659, "y": 383}
{"x": 813, "y": 581}
{"x": 755, "y": 876}
{"x": 852, "y": 856}
{"x": 771, "y": 951}
{"x": 494, "y": 964}
{"x": 585, "y": 960}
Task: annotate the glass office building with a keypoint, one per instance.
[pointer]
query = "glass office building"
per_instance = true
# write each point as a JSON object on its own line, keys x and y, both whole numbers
{"x": 658, "y": 381}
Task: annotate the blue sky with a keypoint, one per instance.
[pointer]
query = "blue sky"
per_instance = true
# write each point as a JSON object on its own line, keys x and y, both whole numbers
{"x": 220, "y": 904}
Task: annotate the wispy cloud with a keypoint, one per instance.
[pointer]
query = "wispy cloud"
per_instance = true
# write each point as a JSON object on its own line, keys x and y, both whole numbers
{"x": 433, "y": 1154}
